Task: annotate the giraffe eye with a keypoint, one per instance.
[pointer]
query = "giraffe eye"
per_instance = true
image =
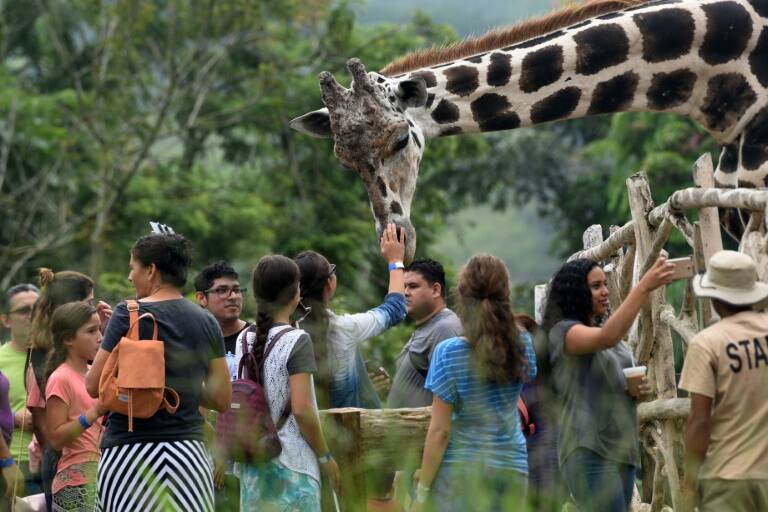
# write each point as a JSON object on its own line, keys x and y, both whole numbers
{"x": 400, "y": 143}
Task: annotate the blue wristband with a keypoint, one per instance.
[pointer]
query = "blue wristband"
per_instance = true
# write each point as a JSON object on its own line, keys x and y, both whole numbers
{"x": 6, "y": 463}
{"x": 84, "y": 422}
{"x": 395, "y": 265}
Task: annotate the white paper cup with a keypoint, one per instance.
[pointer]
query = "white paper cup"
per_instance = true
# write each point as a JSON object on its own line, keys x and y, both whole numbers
{"x": 634, "y": 377}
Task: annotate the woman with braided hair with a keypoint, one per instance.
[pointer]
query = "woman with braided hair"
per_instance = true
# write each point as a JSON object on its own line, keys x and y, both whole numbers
{"x": 475, "y": 455}
{"x": 341, "y": 379}
{"x": 291, "y": 481}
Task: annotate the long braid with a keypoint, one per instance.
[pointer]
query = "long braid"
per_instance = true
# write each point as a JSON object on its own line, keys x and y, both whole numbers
{"x": 275, "y": 285}
{"x": 264, "y": 322}
{"x": 315, "y": 273}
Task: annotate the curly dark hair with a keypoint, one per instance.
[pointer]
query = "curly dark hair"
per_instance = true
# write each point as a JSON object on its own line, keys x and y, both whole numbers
{"x": 569, "y": 296}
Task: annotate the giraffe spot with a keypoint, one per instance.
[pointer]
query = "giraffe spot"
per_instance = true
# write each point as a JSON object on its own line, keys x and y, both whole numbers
{"x": 429, "y": 77}
{"x": 541, "y": 68}
{"x": 614, "y": 95}
{"x": 382, "y": 186}
{"x": 396, "y": 208}
{"x": 729, "y": 28}
{"x": 754, "y": 148}
{"x": 652, "y": 4}
{"x": 758, "y": 60}
{"x": 410, "y": 123}
{"x": 746, "y": 184}
{"x": 556, "y": 106}
{"x": 669, "y": 90}
{"x": 416, "y": 139}
{"x": 530, "y": 43}
{"x": 667, "y": 34}
{"x": 380, "y": 79}
{"x": 430, "y": 100}
{"x": 462, "y": 80}
{"x": 600, "y": 47}
{"x": 453, "y": 130}
{"x": 729, "y": 159}
{"x": 499, "y": 70}
{"x": 760, "y": 6}
{"x": 445, "y": 112}
{"x": 728, "y": 97}
{"x": 392, "y": 99}
{"x": 476, "y": 59}
{"x": 491, "y": 113}
{"x": 580, "y": 25}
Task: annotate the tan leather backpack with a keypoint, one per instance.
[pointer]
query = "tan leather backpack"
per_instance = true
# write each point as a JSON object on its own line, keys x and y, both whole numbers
{"x": 133, "y": 379}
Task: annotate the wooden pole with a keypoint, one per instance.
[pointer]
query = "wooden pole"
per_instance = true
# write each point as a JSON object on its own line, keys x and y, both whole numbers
{"x": 342, "y": 430}
{"x": 655, "y": 336}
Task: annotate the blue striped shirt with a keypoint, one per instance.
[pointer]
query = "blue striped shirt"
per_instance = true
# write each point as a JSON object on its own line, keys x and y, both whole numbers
{"x": 485, "y": 422}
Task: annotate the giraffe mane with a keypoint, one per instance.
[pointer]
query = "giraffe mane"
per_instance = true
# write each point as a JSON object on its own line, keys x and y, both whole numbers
{"x": 501, "y": 37}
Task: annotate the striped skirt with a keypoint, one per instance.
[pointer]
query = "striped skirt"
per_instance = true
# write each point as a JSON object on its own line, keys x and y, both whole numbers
{"x": 155, "y": 477}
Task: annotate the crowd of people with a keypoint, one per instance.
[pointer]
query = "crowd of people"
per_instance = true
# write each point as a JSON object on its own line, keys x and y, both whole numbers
{"x": 524, "y": 416}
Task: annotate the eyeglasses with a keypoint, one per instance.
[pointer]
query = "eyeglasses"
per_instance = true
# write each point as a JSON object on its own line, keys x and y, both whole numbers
{"x": 224, "y": 292}
{"x": 25, "y": 311}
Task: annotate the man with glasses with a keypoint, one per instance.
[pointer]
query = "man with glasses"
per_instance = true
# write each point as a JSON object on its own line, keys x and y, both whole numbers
{"x": 17, "y": 312}
{"x": 217, "y": 289}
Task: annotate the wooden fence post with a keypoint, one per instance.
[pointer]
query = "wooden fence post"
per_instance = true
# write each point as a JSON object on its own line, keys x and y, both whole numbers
{"x": 655, "y": 341}
{"x": 343, "y": 434}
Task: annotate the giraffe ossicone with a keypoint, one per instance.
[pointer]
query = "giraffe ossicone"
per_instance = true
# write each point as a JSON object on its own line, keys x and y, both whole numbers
{"x": 703, "y": 59}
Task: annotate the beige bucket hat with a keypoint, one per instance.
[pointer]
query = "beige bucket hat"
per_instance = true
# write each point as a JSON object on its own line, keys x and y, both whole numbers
{"x": 731, "y": 277}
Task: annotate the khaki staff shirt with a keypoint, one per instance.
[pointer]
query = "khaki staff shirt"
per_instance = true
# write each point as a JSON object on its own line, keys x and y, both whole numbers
{"x": 728, "y": 362}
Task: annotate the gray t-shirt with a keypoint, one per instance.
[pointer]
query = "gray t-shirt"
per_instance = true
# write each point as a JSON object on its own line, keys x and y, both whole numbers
{"x": 597, "y": 413}
{"x": 412, "y": 363}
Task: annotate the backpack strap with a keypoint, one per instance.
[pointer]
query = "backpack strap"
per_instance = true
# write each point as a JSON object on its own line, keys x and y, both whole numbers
{"x": 287, "y": 411}
{"x": 133, "y": 319}
{"x": 527, "y": 427}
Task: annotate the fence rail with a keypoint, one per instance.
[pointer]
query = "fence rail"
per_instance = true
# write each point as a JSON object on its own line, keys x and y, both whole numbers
{"x": 380, "y": 440}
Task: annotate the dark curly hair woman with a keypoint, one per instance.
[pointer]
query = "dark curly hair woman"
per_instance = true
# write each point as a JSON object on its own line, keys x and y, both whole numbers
{"x": 598, "y": 443}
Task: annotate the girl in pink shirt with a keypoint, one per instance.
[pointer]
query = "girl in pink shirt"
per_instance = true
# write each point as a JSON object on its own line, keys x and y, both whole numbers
{"x": 73, "y": 418}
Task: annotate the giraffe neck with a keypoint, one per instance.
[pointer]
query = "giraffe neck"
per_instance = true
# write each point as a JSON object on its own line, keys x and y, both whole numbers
{"x": 704, "y": 59}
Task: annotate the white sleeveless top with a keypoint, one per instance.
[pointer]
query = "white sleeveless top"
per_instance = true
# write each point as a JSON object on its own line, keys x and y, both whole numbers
{"x": 297, "y": 455}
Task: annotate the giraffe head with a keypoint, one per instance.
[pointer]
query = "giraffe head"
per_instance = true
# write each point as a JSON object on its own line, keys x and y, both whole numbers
{"x": 374, "y": 135}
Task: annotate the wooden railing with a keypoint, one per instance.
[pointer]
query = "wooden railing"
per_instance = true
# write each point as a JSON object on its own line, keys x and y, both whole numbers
{"x": 382, "y": 441}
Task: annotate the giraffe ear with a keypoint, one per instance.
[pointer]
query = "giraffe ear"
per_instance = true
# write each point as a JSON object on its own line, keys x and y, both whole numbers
{"x": 412, "y": 91}
{"x": 315, "y": 124}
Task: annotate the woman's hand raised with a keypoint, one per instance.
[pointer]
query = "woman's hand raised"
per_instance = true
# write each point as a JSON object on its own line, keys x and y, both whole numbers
{"x": 392, "y": 244}
{"x": 659, "y": 274}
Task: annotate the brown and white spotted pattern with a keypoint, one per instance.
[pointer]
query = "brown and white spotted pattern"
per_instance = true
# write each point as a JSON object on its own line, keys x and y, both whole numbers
{"x": 703, "y": 59}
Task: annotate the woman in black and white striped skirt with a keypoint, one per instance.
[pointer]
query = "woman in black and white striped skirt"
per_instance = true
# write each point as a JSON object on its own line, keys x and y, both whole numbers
{"x": 163, "y": 465}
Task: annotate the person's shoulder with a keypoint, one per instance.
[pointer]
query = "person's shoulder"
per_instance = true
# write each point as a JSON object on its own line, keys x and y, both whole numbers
{"x": 452, "y": 346}
{"x": 447, "y": 320}
{"x": 61, "y": 376}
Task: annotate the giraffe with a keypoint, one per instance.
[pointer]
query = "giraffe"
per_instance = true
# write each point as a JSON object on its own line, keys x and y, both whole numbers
{"x": 703, "y": 59}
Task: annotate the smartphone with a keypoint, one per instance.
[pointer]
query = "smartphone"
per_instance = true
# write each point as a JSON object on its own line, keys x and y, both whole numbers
{"x": 683, "y": 268}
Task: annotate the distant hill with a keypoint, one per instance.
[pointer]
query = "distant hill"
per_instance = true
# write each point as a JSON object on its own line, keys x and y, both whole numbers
{"x": 468, "y": 17}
